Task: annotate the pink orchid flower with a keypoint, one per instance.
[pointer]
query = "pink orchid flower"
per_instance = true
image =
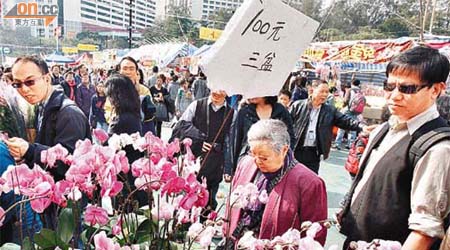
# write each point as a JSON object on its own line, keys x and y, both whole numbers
{"x": 212, "y": 215}
{"x": 173, "y": 148}
{"x": 102, "y": 242}
{"x": 100, "y": 135}
{"x": 82, "y": 148}
{"x": 164, "y": 211}
{"x": 51, "y": 155}
{"x": 3, "y": 185}
{"x": 139, "y": 167}
{"x": 2, "y": 216}
{"x": 195, "y": 214}
{"x": 308, "y": 243}
{"x": 96, "y": 215}
{"x": 117, "y": 228}
{"x": 173, "y": 186}
{"x": 120, "y": 160}
{"x": 187, "y": 142}
{"x": 206, "y": 236}
{"x": 44, "y": 190}
{"x": 194, "y": 230}
{"x": 313, "y": 230}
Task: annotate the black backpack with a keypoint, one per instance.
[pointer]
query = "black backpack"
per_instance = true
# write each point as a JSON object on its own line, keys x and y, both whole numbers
{"x": 424, "y": 140}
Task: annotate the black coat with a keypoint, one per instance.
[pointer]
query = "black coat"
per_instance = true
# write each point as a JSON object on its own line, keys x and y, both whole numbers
{"x": 329, "y": 116}
{"x": 129, "y": 123}
{"x": 64, "y": 123}
{"x": 246, "y": 117}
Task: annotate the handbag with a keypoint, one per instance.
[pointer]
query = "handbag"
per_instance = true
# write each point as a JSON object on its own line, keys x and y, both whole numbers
{"x": 161, "y": 114}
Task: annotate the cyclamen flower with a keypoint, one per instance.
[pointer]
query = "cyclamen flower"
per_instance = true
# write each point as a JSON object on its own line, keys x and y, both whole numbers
{"x": 100, "y": 135}
{"x": 96, "y": 215}
{"x": 51, "y": 155}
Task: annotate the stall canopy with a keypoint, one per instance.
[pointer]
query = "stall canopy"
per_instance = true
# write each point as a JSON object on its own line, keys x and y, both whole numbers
{"x": 162, "y": 54}
{"x": 367, "y": 55}
{"x": 56, "y": 58}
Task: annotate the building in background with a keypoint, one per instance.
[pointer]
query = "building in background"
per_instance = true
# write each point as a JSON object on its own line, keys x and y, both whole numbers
{"x": 74, "y": 16}
{"x": 202, "y": 9}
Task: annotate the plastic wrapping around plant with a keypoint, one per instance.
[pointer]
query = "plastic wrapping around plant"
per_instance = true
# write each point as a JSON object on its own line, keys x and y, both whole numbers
{"x": 99, "y": 174}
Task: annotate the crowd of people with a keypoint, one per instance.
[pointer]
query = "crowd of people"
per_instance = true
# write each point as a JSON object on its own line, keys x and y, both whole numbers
{"x": 276, "y": 142}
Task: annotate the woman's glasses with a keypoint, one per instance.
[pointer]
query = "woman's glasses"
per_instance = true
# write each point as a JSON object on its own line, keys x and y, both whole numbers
{"x": 257, "y": 157}
{"x": 404, "y": 88}
{"x": 28, "y": 83}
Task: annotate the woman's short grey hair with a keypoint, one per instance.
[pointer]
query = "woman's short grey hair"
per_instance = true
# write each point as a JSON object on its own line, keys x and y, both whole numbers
{"x": 271, "y": 131}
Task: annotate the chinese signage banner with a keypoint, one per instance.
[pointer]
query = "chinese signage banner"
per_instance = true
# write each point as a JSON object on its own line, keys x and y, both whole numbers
{"x": 258, "y": 48}
{"x": 209, "y": 34}
{"x": 369, "y": 52}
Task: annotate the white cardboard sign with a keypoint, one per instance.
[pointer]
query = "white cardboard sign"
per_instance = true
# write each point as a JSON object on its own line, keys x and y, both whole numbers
{"x": 258, "y": 48}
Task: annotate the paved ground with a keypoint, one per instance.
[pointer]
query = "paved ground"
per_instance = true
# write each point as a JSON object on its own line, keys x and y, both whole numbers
{"x": 337, "y": 182}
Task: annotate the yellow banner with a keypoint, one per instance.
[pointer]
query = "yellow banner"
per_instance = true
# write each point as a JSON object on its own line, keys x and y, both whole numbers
{"x": 69, "y": 50}
{"x": 87, "y": 47}
{"x": 210, "y": 34}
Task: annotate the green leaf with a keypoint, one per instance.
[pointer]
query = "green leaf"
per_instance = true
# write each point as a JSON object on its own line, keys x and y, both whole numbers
{"x": 46, "y": 238}
{"x": 66, "y": 226}
{"x": 26, "y": 244}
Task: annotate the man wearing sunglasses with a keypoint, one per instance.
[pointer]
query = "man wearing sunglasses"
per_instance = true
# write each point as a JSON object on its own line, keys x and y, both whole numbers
{"x": 58, "y": 119}
{"x": 393, "y": 197}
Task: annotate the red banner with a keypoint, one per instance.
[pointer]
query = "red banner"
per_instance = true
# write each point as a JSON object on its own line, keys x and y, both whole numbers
{"x": 369, "y": 52}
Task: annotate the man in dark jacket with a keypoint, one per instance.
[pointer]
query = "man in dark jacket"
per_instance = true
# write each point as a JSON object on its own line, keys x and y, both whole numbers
{"x": 213, "y": 117}
{"x": 313, "y": 126}
{"x": 58, "y": 119}
{"x": 57, "y": 78}
{"x": 83, "y": 95}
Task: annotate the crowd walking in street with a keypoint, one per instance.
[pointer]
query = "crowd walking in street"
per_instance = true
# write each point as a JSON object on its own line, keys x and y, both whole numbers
{"x": 399, "y": 167}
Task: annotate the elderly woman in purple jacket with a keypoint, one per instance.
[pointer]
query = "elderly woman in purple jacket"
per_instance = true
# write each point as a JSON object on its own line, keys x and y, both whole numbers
{"x": 295, "y": 193}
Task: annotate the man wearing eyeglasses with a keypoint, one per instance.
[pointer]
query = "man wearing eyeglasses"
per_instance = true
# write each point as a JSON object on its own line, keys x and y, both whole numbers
{"x": 58, "y": 119}
{"x": 393, "y": 198}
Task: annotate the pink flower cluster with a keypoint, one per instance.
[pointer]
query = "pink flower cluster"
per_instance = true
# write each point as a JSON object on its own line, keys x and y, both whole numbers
{"x": 203, "y": 235}
{"x": 90, "y": 166}
{"x": 95, "y": 169}
{"x": 248, "y": 196}
{"x": 102, "y": 242}
{"x": 378, "y": 245}
{"x": 164, "y": 172}
{"x": 292, "y": 239}
{"x": 35, "y": 183}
